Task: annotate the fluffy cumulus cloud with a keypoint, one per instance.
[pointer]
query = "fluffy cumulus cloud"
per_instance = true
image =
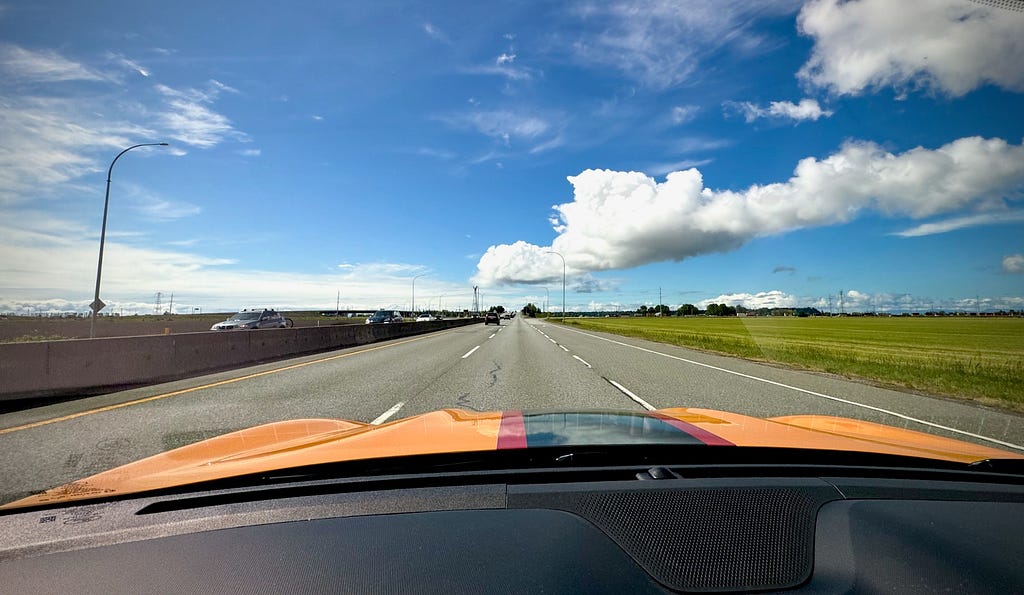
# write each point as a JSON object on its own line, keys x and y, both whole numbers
{"x": 807, "y": 109}
{"x": 620, "y": 220}
{"x": 761, "y": 299}
{"x": 948, "y": 46}
{"x": 1013, "y": 263}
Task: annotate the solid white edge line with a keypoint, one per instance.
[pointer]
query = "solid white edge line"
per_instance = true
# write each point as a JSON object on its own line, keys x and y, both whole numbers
{"x": 583, "y": 361}
{"x": 811, "y": 392}
{"x": 630, "y": 394}
{"x": 470, "y": 352}
{"x": 384, "y": 416}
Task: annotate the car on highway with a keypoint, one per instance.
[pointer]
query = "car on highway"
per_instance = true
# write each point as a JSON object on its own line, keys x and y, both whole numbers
{"x": 492, "y": 317}
{"x": 550, "y": 501}
{"x": 426, "y": 317}
{"x": 252, "y": 320}
{"x": 385, "y": 317}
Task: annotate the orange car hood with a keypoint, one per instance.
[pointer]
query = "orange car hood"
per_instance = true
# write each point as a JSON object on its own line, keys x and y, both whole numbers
{"x": 285, "y": 444}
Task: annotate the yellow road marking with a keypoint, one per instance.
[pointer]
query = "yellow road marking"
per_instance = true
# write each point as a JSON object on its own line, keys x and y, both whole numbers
{"x": 54, "y": 420}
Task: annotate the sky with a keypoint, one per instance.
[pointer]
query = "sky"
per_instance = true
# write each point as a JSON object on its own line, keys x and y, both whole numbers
{"x": 755, "y": 153}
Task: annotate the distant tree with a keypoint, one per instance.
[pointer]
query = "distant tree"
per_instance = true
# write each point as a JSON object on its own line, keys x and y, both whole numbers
{"x": 643, "y": 310}
{"x": 531, "y": 310}
{"x": 661, "y": 310}
{"x": 711, "y": 310}
{"x": 687, "y": 310}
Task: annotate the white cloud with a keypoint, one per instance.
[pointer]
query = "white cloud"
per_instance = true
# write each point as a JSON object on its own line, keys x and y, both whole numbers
{"x": 660, "y": 169}
{"x": 954, "y": 223}
{"x": 46, "y": 66}
{"x": 1013, "y": 263}
{"x": 500, "y": 124}
{"x": 505, "y": 59}
{"x": 505, "y": 69}
{"x": 761, "y": 299}
{"x": 620, "y": 220}
{"x": 661, "y": 42}
{"x": 807, "y": 109}
{"x": 682, "y": 114}
{"x": 191, "y": 121}
{"x": 50, "y": 141}
{"x": 48, "y": 260}
{"x": 250, "y": 152}
{"x": 131, "y": 65}
{"x": 436, "y": 34}
{"x": 949, "y": 46}
{"x": 157, "y": 208}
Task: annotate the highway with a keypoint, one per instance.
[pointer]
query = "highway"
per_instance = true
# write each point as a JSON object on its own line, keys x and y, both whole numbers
{"x": 523, "y": 364}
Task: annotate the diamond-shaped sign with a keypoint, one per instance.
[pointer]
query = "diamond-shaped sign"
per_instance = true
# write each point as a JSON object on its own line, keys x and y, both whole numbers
{"x": 97, "y": 305}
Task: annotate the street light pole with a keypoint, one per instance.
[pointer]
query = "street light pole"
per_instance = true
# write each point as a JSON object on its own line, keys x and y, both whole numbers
{"x": 563, "y": 279}
{"x": 96, "y": 304}
{"x": 414, "y": 290}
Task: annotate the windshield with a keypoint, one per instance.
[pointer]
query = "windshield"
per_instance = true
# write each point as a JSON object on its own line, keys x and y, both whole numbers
{"x": 786, "y": 210}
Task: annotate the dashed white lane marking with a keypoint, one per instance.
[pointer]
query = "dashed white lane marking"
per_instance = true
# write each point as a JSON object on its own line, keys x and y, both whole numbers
{"x": 582, "y": 361}
{"x": 630, "y": 394}
{"x": 564, "y": 349}
{"x": 492, "y": 335}
{"x": 470, "y": 352}
{"x": 809, "y": 392}
{"x": 383, "y": 417}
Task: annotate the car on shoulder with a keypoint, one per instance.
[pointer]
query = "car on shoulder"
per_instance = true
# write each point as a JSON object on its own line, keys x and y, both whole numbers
{"x": 252, "y": 320}
{"x": 385, "y": 317}
{"x": 492, "y": 317}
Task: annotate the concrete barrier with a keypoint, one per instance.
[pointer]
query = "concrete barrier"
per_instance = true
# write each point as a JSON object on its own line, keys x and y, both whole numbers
{"x": 79, "y": 367}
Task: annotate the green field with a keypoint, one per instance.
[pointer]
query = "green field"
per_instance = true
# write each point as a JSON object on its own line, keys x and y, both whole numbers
{"x": 973, "y": 358}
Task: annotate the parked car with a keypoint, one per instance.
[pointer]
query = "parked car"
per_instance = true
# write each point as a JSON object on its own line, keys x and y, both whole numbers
{"x": 385, "y": 317}
{"x": 253, "y": 319}
{"x": 492, "y": 317}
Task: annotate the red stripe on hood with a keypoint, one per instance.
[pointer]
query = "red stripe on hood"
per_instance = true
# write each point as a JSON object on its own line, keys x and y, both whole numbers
{"x": 512, "y": 432}
{"x": 697, "y": 432}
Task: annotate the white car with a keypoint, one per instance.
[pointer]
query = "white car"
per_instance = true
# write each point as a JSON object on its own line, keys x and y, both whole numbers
{"x": 252, "y": 319}
{"x": 426, "y": 317}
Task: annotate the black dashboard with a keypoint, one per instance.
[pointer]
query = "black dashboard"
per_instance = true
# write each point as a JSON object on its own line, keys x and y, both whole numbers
{"x": 795, "y": 534}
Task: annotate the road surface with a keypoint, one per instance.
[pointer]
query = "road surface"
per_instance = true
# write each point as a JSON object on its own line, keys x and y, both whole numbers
{"x": 523, "y": 364}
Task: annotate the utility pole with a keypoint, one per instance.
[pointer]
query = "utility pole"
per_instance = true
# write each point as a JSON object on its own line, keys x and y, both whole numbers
{"x": 170, "y": 308}
{"x": 841, "y": 310}
{"x": 337, "y": 305}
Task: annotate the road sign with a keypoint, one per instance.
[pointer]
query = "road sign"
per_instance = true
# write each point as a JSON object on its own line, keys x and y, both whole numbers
{"x": 97, "y": 305}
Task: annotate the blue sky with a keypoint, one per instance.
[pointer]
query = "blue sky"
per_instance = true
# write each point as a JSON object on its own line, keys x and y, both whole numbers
{"x": 756, "y": 153}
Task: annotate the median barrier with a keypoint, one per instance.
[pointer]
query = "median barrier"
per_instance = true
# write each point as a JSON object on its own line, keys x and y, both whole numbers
{"x": 81, "y": 367}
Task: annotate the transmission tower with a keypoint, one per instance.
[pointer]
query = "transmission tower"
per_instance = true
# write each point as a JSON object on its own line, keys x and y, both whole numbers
{"x": 156, "y": 309}
{"x": 842, "y": 311}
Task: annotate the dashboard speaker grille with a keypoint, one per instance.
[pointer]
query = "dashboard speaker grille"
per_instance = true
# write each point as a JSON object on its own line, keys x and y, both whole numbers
{"x": 708, "y": 540}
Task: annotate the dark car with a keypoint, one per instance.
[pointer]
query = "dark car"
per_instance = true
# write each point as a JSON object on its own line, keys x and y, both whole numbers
{"x": 384, "y": 317}
{"x": 492, "y": 317}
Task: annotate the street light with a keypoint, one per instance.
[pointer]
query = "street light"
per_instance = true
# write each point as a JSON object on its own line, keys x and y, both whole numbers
{"x": 96, "y": 304}
{"x": 414, "y": 290}
{"x": 563, "y": 279}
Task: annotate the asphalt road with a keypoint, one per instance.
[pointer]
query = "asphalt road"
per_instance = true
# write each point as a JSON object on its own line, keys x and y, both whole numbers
{"x": 523, "y": 364}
